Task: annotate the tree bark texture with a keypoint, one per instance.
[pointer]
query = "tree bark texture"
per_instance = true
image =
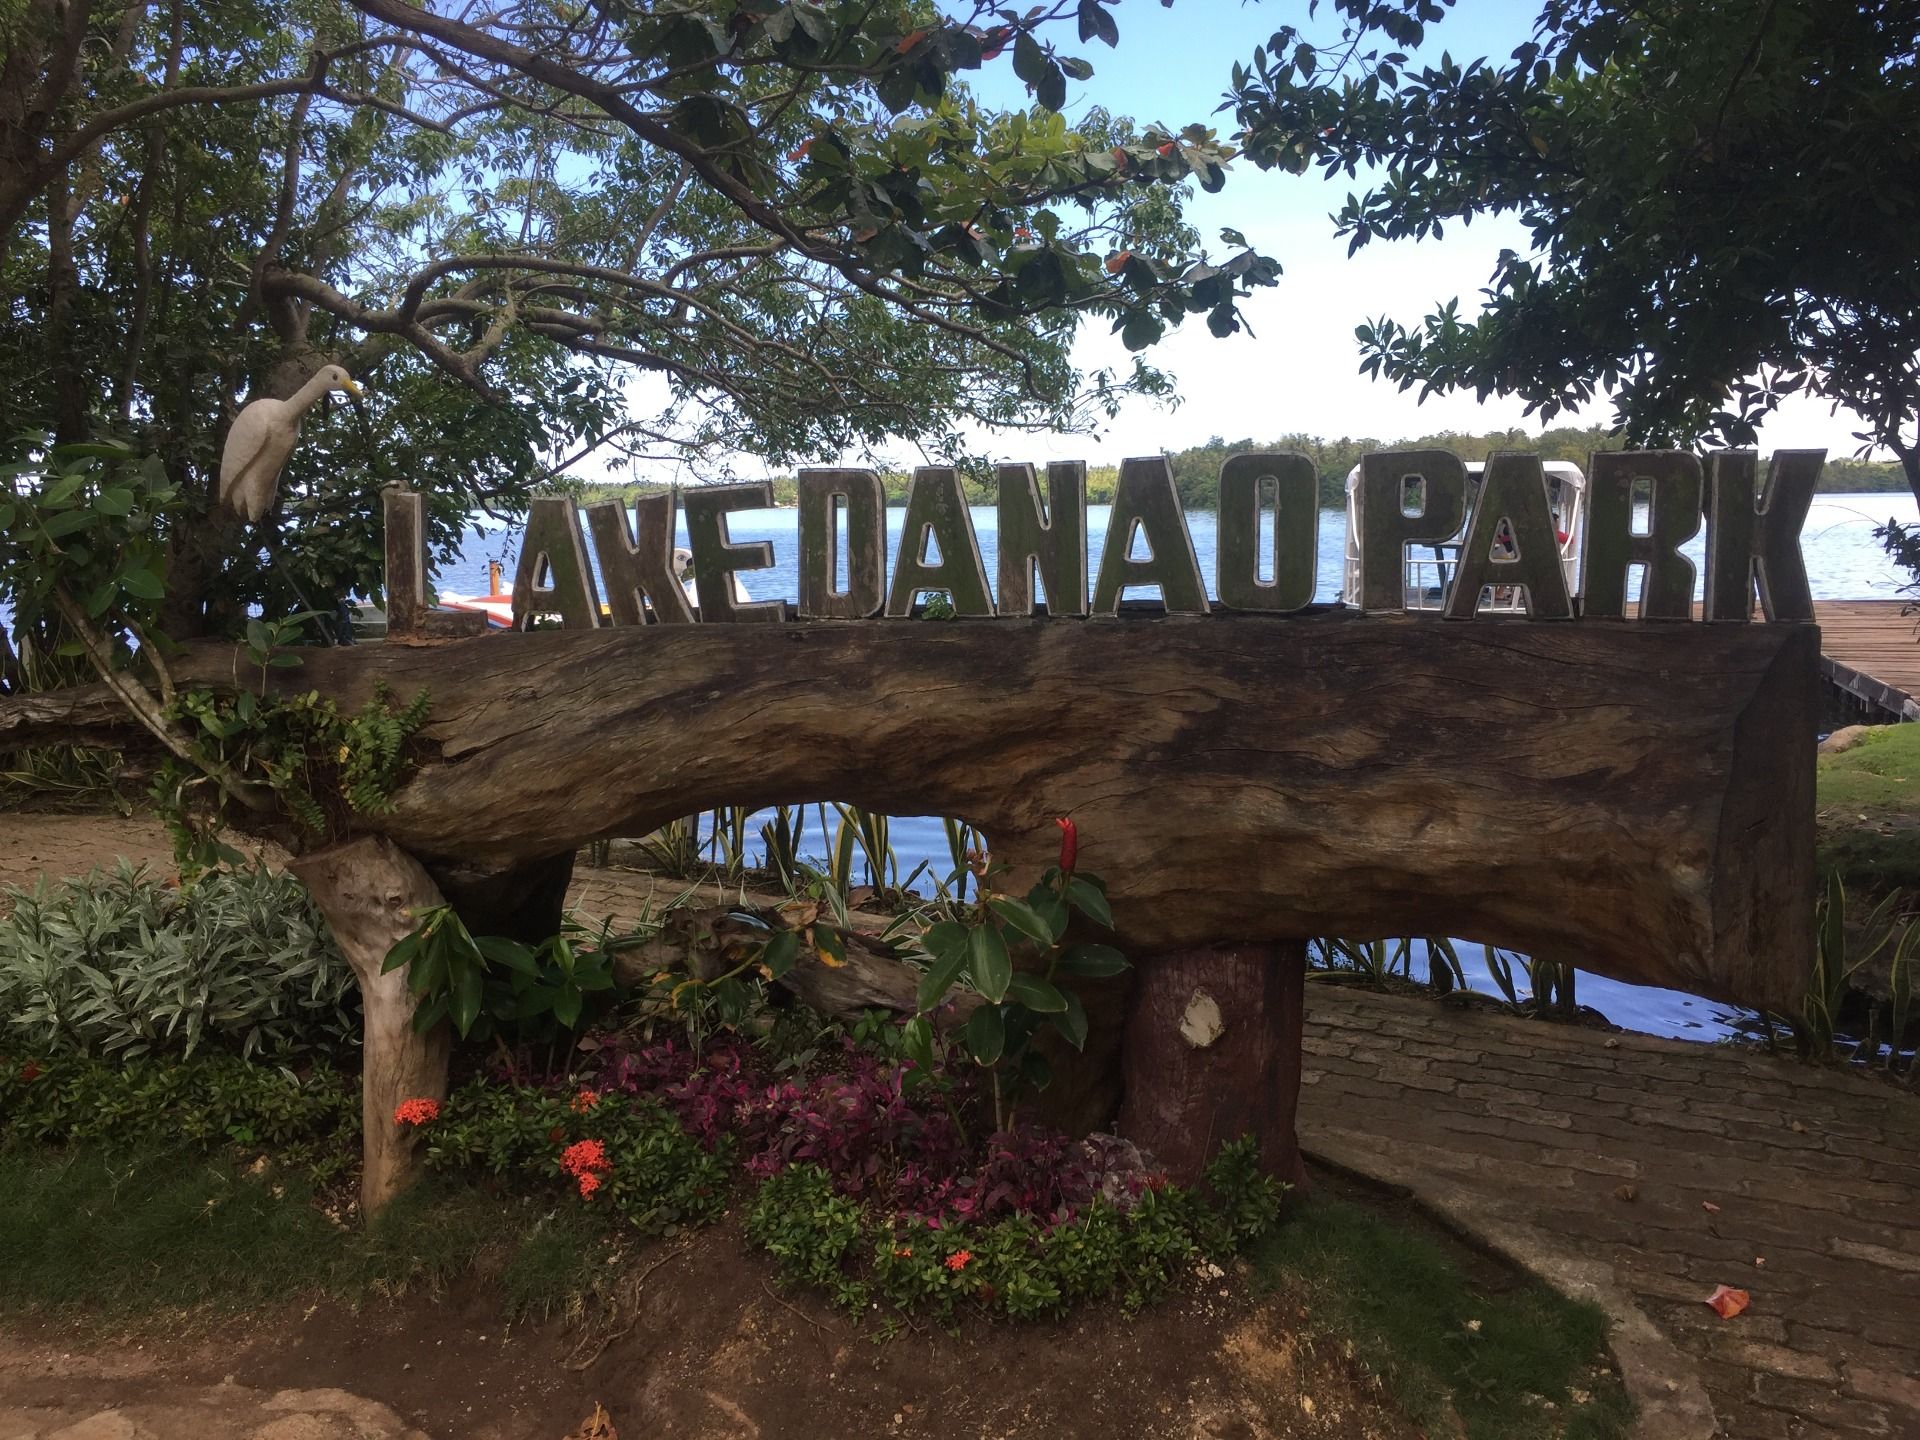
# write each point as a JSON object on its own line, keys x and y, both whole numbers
{"x": 368, "y": 889}
{"x": 1212, "y": 1053}
{"x": 1636, "y": 798}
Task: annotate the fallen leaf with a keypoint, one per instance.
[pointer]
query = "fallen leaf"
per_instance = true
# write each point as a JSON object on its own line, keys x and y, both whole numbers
{"x": 1728, "y": 1302}
{"x": 597, "y": 1426}
{"x": 1710, "y": 1207}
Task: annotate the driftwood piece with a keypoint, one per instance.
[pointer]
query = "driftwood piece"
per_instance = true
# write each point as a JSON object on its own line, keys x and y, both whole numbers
{"x": 708, "y": 941}
{"x": 368, "y": 889}
{"x": 1212, "y": 1053}
{"x": 1636, "y": 798}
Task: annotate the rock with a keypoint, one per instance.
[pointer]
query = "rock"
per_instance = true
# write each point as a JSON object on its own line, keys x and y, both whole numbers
{"x": 1846, "y": 737}
{"x": 107, "y": 1425}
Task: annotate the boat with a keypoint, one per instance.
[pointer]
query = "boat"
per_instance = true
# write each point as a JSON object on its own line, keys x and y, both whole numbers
{"x": 1426, "y": 578}
{"x": 497, "y": 604}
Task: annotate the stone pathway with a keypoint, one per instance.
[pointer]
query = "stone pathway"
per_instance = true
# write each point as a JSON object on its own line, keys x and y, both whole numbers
{"x": 47, "y": 1394}
{"x": 1641, "y": 1173}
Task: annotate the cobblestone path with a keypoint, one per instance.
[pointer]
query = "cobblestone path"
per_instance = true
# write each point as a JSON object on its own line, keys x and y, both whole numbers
{"x": 1642, "y": 1173}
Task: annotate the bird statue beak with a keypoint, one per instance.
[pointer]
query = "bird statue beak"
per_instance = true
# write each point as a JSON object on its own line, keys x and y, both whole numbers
{"x": 353, "y": 389}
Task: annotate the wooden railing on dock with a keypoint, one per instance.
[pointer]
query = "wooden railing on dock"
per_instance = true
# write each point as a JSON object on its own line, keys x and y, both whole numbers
{"x": 1871, "y": 651}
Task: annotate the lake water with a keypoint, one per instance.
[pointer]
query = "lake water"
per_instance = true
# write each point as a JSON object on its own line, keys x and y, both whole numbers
{"x": 1844, "y": 562}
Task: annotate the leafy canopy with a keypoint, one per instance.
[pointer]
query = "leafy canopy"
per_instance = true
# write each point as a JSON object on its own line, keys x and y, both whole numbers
{"x": 1722, "y": 199}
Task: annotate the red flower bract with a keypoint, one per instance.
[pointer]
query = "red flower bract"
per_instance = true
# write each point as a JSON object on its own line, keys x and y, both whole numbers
{"x": 583, "y": 1157}
{"x": 417, "y": 1111}
{"x": 1069, "y": 844}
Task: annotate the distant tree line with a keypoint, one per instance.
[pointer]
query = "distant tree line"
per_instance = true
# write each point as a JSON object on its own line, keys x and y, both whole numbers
{"x": 1196, "y": 470}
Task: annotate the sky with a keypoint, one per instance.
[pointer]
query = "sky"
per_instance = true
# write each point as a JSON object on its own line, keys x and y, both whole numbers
{"x": 1297, "y": 371}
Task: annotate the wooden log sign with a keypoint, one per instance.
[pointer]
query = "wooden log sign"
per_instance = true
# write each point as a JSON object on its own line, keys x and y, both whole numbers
{"x": 1626, "y": 788}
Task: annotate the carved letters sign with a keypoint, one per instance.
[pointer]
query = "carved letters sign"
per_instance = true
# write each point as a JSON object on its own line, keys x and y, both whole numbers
{"x": 1506, "y": 530}
{"x": 1636, "y": 798}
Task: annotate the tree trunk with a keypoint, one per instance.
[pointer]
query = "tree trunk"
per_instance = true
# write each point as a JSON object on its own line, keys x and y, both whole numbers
{"x": 368, "y": 889}
{"x": 1212, "y": 1053}
{"x": 1634, "y": 798}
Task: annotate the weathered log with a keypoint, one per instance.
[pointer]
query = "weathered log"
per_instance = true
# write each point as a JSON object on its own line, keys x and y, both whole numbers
{"x": 1212, "y": 1053}
{"x": 1635, "y": 797}
{"x": 368, "y": 889}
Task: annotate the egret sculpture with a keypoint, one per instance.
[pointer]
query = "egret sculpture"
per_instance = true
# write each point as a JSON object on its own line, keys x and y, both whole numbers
{"x": 261, "y": 439}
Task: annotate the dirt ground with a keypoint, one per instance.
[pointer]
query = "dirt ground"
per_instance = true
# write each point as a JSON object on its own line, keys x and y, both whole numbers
{"x": 706, "y": 1348}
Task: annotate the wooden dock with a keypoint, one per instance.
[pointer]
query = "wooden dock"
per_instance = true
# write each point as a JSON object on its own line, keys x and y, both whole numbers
{"x": 1870, "y": 652}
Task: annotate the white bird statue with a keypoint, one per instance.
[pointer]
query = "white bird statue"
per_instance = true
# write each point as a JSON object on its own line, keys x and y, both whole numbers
{"x": 262, "y": 437}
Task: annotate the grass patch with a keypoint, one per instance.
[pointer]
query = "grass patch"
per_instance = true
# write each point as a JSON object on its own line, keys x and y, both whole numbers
{"x": 91, "y": 1234}
{"x": 1456, "y": 1356}
{"x": 1880, "y": 773}
{"x": 1869, "y": 811}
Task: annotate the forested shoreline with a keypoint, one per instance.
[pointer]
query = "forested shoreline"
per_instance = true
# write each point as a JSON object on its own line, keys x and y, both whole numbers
{"x": 1196, "y": 470}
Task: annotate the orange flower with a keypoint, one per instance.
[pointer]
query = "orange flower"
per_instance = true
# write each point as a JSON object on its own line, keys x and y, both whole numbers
{"x": 416, "y": 1112}
{"x": 589, "y": 1182}
{"x": 585, "y": 1156}
{"x": 584, "y": 1101}
{"x": 903, "y": 1252}
{"x": 799, "y": 152}
{"x": 1117, "y": 261}
{"x": 1168, "y": 148}
{"x": 959, "y": 1260}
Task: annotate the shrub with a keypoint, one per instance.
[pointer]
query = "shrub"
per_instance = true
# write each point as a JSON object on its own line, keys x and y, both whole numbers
{"x": 212, "y": 1101}
{"x": 642, "y": 1165}
{"x": 122, "y": 964}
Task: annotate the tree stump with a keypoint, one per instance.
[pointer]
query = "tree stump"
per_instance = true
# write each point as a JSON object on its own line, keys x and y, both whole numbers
{"x": 368, "y": 889}
{"x": 1212, "y": 1052}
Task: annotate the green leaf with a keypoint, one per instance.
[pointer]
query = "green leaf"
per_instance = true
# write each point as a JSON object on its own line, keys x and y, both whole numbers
{"x": 986, "y": 1034}
{"x": 101, "y": 599}
{"x": 1072, "y": 1022}
{"x": 1089, "y": 902}
{"x": 831, "y": 944}
{"x": 1095, "y": 962}
{"x": 143, "y": 583}
{"x": 1029, "y": 60}
{"x": 566, "y": 1007}
{"x": 463, "y": 1005}
{"x": 1097, "y": 24}
{"x": 499, "y": 950}
{"x": 402, "y": 953}
{"x": 944, "y": 938}
{"x": 992, "y": 966}
{"x": 916, "y": 1041}
{"x": 1036, "y": 994}
{"x": 116, "y": 501}
{"x": 780, "y": 953}
{"x": 1051, "y": 89}
{"x": 68, "y": 521}
{"x": 935, "y": 983}
{"x": 1022, "y": 918}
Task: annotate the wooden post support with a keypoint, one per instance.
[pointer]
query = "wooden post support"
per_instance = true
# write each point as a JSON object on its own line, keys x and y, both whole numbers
{"x": 1212, "y": 1053}
{"x": 368, "y": 889}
